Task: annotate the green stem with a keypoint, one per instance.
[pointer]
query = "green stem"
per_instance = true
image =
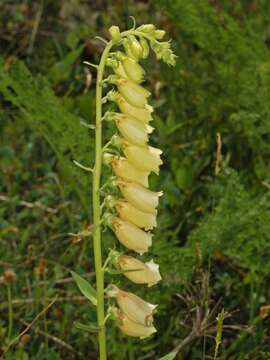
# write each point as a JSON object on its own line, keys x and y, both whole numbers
{"x": 10, "y": 313}
{"x": 96, "y": 206}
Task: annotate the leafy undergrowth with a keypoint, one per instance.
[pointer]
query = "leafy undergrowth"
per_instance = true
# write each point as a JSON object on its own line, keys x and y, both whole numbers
{"x": 213, "y": 236}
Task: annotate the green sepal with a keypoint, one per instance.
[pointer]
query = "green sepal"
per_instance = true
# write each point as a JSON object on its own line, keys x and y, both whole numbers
{"x": 85, "y": 288}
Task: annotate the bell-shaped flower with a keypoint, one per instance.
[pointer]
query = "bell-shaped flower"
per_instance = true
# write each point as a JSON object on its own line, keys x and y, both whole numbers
{"x": 137, "y": 217}
{"x": 145, "y": 158}
{"x": 133, "y": 306}
{"x": 131, "y": 328}
{"x": 131, "y": 236}
{"x": 133, "y": 130}
{"x": 140, "y": 197}
{"x": 133, "y": 70}
{"x": 144, "y": 273}
{"x": 134, "y": 94}
{"x": 124, "y": 169}
{"x": 143, "y": 114}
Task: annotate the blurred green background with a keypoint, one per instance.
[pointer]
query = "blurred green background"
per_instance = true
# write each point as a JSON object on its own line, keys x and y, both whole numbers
{"x": 213, "y": 239}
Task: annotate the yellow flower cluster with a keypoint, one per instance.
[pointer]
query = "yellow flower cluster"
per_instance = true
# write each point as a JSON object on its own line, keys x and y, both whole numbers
{"x": 137, "y": 210}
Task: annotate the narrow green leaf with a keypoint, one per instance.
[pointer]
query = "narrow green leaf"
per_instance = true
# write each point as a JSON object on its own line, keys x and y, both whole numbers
{"x": 86, "y": 289}
{"x": 88, "y": 328}
{"x": 169, "y": 356}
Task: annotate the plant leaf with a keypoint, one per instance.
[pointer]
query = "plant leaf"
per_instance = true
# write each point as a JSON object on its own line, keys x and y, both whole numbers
{"x": 88, "y": 328}
{"x": 86, "y": 289}
{"x": 169, "y": 356}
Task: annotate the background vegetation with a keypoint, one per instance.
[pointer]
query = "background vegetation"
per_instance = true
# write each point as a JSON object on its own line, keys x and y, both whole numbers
{"x": 213, "y": 240}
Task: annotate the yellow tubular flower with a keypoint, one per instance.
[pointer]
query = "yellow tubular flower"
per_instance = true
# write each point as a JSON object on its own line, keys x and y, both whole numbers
{"x": 147, "y": 273}
{"x": 133, "y": 70}
{"x": 133, "y": 130}
{"x": 124, "y": 169}
{"x": 134, "y": 329}
{"x": 143, "y": 114}
{"x": 140, "y": 197}
{"x": 134, "y": 94}
{"x": 139, "y": 218}
{"x": 145, "y": 158}
{"x": 131, "y": 236}
{"x": 136, "y": 309}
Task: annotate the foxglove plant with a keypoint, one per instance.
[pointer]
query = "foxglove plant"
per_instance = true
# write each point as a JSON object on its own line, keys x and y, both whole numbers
{"x": 132, "y": 213}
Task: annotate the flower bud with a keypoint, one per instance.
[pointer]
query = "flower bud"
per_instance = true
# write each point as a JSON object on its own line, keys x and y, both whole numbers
{"x": 147, "y": 273}
{"x": 131, "y": 236}
{"x": 134, "y": 94}
{"x": 140, "y": 197}
{"x": 139, "y": 218}
{"x": 133, "y": 329}
{"x": 133, "y": 130}
{"x": 150, "y": 155}
{"x": 159, "y": 34}
{"x": 145, "y": 47}
{"x": 107, "y": 158}
{"x": 115, "y": 33}
{"x": 135, "y": 47}
{"x": 136, "y": 309}
{"x": 127, "y": 47}
{"x": 119, "y": 70}
{"x": 124, "y": 169}
{"x": 146, "y": 28}
{"x": 112, "y": 63}
{"x": 133, "y": 70}
{"x": 143, "y": 114}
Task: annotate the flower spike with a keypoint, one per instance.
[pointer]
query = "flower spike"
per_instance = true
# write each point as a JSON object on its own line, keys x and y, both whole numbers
{"x": 124, "y": 203}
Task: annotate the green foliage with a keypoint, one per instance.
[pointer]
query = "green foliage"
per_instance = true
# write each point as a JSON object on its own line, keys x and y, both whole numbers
{"x": 220, "y": 84}
{"x": 237, "y": 227}
{"x": 36, "y": 101}
{"x": 85, "y": 288}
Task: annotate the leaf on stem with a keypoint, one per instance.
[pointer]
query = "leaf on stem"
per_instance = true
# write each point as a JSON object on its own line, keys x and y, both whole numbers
{"x": 87, "y": 328}
{"x": 86, "y": 289}
{"x": 169, "y": 356}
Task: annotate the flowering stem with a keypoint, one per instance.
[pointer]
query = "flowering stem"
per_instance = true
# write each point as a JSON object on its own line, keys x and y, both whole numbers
{"x": 97, "y": 208}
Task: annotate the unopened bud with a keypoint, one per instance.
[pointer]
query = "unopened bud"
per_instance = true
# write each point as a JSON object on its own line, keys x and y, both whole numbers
{"x": 135, "y": 47}
{"x": 159, "y": 34}
{"x": 115, "y": 33}
{"x": 145, "y": 47}
{"x": 110, "y": 201}
{"x": 107, "y": 158}
{"x": 112, "y": 63}
{"x": 146, "y": 28}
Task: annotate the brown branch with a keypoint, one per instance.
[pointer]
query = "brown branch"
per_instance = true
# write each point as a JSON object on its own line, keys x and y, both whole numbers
{"x": 28, "y": 327}
{"x": 55, "y": 339}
